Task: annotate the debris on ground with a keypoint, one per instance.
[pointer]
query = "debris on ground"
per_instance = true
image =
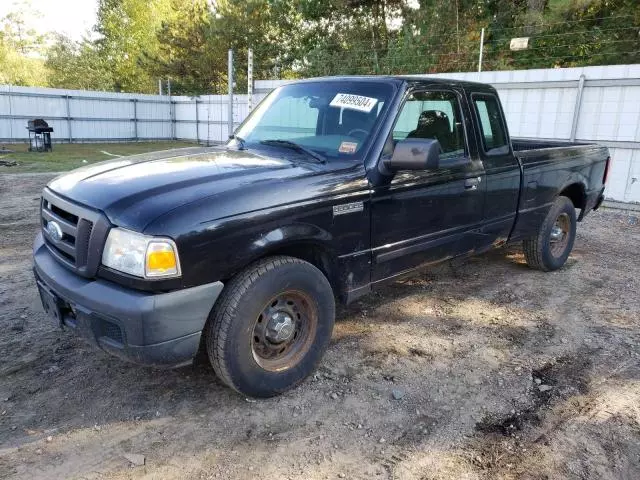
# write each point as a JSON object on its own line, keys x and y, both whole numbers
{"x": 397, "y": 394}
{"x": 135, "y": 459}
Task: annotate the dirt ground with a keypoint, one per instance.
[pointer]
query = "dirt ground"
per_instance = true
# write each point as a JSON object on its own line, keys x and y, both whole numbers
{"x": 478, "y": 369}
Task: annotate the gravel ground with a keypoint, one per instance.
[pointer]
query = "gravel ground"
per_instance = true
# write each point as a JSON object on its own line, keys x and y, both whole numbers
{"x": 476, "y": 369}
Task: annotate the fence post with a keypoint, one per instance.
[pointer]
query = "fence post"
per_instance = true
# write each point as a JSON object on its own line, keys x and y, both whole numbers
{"x": 172, "y": 116}
{"x": 576, "y": 109}
{"x": 67, "y": 98}
{"x": 197, "y": 123}
{"x": 135, "y": 118}
{"x": 481, "y": 51}
{"x": 230, "y": 88}
{"x": 249, "y": 80}
{"x": 10, "y": 113}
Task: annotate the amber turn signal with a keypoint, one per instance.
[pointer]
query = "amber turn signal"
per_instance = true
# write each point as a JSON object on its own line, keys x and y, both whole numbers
{"x": 162, "y": 260}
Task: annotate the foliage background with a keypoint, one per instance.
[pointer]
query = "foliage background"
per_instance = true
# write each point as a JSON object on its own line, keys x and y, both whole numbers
{"x": 136, "y": 42}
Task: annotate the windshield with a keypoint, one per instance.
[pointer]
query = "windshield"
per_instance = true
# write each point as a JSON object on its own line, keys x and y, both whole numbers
{"x": 331, "y": 118}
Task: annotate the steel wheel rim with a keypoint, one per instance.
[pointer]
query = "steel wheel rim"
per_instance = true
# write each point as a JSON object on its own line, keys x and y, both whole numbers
{"x": 559, "y": 237}
{"x": 274, "y": 348}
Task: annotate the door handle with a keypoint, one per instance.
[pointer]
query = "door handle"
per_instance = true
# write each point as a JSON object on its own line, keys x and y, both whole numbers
{"x": 472, "y": 183}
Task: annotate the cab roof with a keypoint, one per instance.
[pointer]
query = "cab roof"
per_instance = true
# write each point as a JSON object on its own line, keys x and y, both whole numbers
{"x": 409, "y": 79}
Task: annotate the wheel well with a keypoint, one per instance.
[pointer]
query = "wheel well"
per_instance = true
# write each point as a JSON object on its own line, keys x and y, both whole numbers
{"x": 575, "y": 192}
{"x": 315, "y": 254}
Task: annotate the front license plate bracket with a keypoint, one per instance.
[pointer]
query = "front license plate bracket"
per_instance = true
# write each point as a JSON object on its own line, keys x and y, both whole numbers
{"x": 52, "y": 305}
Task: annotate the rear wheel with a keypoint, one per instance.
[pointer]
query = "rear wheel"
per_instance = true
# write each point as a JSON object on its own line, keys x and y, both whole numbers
{"x": 271, "y": 326}
{"x": 550, "y": 248}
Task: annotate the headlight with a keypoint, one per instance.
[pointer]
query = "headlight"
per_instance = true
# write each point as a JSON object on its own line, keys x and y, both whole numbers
{"x": 140, "y": 255}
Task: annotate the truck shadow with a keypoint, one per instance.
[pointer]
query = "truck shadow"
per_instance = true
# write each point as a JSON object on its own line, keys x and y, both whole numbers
{"x": 65, "y": 368}
{"x": 449, "y": 275}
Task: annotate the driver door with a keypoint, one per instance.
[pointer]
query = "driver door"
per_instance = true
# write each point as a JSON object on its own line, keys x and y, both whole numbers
{"x": 423, "y": 217}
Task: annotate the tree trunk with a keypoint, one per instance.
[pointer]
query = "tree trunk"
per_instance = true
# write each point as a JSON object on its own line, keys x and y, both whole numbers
{"x": 535, "y": 10}
{"x": 536, "y": 6}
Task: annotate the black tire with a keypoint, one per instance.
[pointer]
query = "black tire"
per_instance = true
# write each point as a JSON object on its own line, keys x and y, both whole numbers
{"x": 544, "y": 251}
{"x": 234, "y": 343}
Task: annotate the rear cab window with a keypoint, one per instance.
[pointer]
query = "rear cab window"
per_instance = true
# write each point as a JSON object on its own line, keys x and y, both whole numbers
{"x": 491, "y": 122}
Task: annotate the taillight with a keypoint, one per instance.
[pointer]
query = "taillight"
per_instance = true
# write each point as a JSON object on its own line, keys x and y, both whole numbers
{"x": 606, "y": 171}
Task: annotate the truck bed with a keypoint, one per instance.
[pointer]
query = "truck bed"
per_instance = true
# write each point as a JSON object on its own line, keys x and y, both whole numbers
{"x": 576, "y": 169}
{"x": 526, "y": 144}
{"x": 533, "y": 152}
{"x": 569, "y": 157}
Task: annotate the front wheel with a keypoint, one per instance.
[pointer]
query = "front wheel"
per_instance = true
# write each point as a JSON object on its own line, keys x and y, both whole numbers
{"x": 271, "y": 326}
{"x": 550, "y": 248}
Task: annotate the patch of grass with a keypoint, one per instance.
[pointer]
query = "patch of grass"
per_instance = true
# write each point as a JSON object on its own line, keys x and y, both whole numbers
{"x": 69, "y": 156}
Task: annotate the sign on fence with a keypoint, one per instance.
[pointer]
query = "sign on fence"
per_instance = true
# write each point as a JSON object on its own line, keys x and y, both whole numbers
{"x": 519, "y": 43}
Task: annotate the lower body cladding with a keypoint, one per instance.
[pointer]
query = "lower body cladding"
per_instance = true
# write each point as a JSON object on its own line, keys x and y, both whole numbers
{"x": 593, "y": 201}
{"x": 146, "y": 328}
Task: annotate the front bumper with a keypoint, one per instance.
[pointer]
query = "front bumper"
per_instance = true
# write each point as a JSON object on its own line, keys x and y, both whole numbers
{"x": 161, "y": 329}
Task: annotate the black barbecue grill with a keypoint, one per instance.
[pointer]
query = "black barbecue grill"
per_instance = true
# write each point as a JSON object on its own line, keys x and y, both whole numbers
{"x": 39, "y": 135}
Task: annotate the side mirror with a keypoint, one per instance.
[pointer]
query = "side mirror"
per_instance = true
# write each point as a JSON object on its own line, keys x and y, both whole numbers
{"x": 414, "y": 154}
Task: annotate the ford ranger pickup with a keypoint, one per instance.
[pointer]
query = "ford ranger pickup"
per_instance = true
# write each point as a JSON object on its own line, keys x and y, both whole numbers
{"x": 330, "y": 189}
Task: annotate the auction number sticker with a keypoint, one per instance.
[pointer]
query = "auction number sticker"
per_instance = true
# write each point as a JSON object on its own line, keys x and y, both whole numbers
{"x": 354, "y": 102}
{"x": 348, "y": 147}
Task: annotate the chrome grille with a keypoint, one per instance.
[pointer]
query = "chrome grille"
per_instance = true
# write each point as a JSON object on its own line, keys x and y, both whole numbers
{"x": 68, "y": 223}
{"x": 78, "y": 235}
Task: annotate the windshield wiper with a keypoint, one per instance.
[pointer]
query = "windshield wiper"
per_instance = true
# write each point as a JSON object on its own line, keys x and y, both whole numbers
{"x": 295, "y": 146}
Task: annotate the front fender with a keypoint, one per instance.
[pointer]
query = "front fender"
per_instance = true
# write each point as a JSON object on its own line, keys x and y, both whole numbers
{"x": 286, "y": 235}
{"x": 222, "y": 252}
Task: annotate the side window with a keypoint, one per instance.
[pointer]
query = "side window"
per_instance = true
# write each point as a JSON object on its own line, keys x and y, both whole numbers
{"x": 494, "y": 136}
{"x": 432, "y": 114}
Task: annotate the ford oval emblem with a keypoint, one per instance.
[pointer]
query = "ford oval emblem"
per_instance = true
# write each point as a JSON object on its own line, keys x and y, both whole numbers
{"x": 54, "y": 231}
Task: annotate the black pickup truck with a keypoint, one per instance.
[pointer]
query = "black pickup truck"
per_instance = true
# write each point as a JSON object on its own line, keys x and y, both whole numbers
{"x": 329, "y": 189}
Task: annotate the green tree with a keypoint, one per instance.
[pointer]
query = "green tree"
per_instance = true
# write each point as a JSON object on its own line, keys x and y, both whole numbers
{"x": 188, "y": 53}
{"x": 20, "y": 48}
{"x": 350, "y": 35}
{"x": 16, "y": 69}
{"x": 353, "y": 37}
{"x": 77, "y": 65}
{"x": 140, "y": 41}
{"x": 570, "y": 34}
{"x": 17, "y": 33}
{"x": 195, "y": 41}
{"x": 272, "y": 28}
{"x": 128, "y": 31}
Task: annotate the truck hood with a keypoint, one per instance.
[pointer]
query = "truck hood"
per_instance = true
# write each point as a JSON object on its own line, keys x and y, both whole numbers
{"x": 133, "y": 191}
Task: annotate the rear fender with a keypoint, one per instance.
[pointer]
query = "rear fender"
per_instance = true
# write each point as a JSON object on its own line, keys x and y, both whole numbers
{"x": 575, "y": 188}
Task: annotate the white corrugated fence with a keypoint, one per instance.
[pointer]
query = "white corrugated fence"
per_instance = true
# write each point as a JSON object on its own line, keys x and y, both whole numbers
{"x": 591, "y": 104}
{"x": 83, "y": 116}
